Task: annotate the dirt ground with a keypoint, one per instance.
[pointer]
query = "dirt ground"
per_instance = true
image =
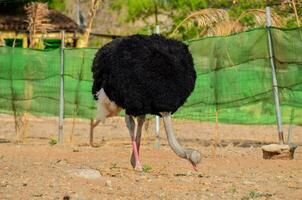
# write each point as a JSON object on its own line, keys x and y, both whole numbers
{"x": 235, "y": 169}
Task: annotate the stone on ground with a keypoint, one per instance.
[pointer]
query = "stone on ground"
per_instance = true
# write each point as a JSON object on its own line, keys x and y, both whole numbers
{"x": 278, "y": 151}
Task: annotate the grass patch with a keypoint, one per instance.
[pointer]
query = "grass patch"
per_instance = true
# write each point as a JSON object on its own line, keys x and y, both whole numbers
{"x": 233, "y": 189}
{"x": 254, "y": 195}
{"x": 52, "y": 141}
{"x": 113, "y": 166}
{"x": 147, "y": 168}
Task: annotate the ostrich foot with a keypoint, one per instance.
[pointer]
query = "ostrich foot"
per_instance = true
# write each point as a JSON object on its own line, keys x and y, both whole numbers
{"x": 195, "y": 167}
{"x": 136, "y": 164}
{"x": 135, "y": 161}
{"x": 138, "y": 167}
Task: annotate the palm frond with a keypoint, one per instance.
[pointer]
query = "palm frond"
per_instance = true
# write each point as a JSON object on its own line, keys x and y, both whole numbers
{"x": 296, "y": 13}
{"x": 260, "y": 17}
{"x": 234, "y": 26}
{"x": 224, "y": 28}
{"x": 204, "y": 18}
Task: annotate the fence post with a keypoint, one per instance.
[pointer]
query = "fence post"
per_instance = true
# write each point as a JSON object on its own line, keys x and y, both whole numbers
{"x": 275, "y": 83}
{"x": 61, "y": 111}
{"x": 157, "y": 119}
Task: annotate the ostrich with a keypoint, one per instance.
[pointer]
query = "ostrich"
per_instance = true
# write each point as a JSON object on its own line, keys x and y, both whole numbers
{"x": 144, "y": 75}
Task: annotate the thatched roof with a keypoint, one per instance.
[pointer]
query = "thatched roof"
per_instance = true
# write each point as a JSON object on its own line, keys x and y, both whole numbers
{"x": 19, "y": 22}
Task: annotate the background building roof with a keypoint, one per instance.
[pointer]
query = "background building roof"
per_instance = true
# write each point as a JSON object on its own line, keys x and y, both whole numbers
{"x": 17, "y": 21}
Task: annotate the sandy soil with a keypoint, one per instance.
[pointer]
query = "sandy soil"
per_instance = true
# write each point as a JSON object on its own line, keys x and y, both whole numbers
{"x": 234, "y": 169}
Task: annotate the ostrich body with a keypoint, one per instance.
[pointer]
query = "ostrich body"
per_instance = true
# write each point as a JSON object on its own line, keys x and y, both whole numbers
{"x": 144, "y": 75}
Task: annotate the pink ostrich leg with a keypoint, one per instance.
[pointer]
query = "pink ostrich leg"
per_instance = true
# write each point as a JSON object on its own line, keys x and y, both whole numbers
{"x": 131, "y": 127}
{"x": 137, "y": 164}
{"x": 140, "y": 123}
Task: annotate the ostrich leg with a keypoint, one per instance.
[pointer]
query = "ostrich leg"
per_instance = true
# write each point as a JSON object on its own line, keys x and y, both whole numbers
{"x": 140, "y": 123}
{"x": 131, "y": 127}
{"x": 192, "y": 155}
{"x": 92, "y": 126}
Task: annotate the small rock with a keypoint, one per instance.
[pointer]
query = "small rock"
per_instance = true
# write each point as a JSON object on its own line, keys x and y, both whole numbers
{"x": 108, "y": 183}
{"x": 277, "y": 151}
{"x": 24, "y": 184}
{"x": 275, "y": 148}
{"x": 4, "y": 184}
{"x": 38, "y": 195}
{"x": 162, "y": 194}
{"x": 88, "y": 173}
{"x": 294, "y": 185}
{"x": 189, "y": 174}
{"x": 247, "y": 183}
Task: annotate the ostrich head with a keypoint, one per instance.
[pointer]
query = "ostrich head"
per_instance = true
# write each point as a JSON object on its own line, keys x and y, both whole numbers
{"x": 193, "y": 156}
{"x": 106, "y": 108}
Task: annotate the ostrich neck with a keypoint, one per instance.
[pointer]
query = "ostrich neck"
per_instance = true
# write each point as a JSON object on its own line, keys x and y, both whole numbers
{"x": 176, "y": 147}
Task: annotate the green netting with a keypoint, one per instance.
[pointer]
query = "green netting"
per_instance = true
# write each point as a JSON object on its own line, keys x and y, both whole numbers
{"x": 234, "y": 79}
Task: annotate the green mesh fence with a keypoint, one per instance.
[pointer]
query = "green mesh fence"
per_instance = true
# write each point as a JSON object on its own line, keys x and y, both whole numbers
{"x": 234, "y": 79}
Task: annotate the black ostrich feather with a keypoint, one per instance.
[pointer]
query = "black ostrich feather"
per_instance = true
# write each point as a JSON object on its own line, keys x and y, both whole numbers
{"x": 144, "y": 74}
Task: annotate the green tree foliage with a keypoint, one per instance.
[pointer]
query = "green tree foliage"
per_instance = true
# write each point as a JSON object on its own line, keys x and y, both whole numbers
{"x": 169, "y": 13}
{"x": 144, "y": 8}
{"x": 56, "y": 4}
{"x": 177, "y": 10}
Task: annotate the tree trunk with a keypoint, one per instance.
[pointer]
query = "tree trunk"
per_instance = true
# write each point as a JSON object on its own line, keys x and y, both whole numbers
{"x": 95, "y": 4}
